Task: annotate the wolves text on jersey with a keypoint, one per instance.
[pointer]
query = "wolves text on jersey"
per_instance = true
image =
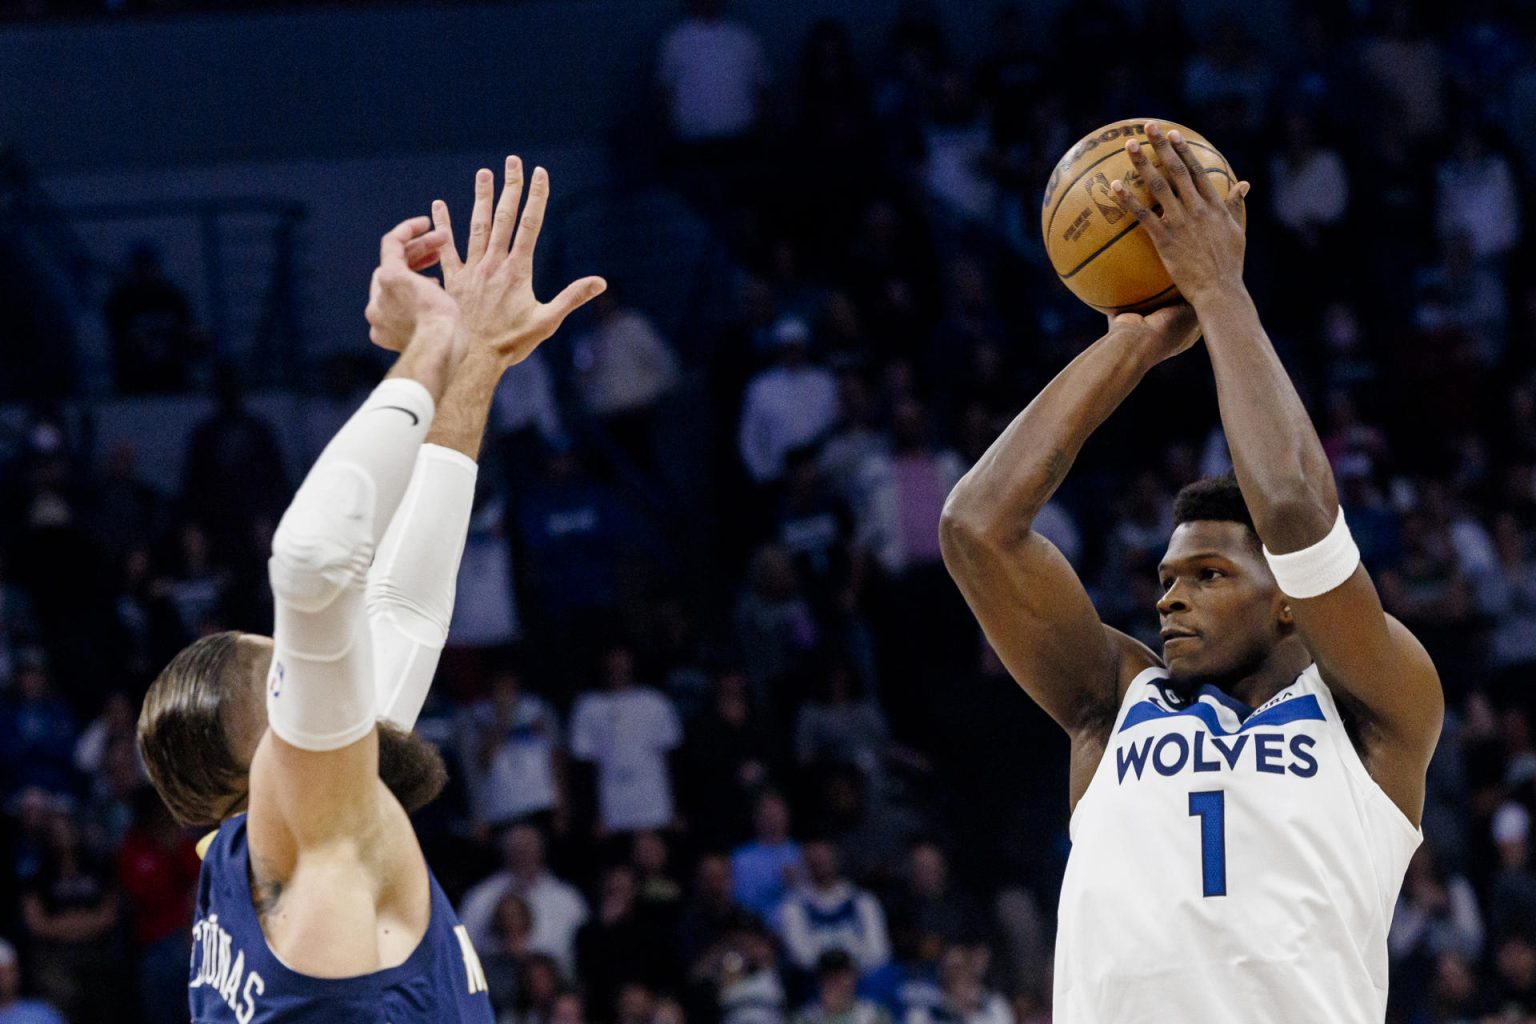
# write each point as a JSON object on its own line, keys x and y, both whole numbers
{"x": 1174, "y": 753}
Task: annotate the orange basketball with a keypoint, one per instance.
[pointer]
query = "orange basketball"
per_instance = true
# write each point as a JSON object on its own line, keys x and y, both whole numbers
{"x": 1099, "y": 251}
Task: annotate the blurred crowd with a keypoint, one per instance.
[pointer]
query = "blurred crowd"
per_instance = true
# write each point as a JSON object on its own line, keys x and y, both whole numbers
{"x": 766, "y": 770}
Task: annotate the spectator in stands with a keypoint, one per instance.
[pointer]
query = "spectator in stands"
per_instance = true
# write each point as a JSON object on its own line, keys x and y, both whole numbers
{"x": 1512, "y": 996}
{"x": 233, "y": 477}
{"x": 485, "y": 612}
{"x": 738, "y": 982}
{"x": 538, "y": 990}
{"x": 125, "y": 508}
{"x": 829, "y": 912}
{"x": 37, "y": 732}
{"x": 1512, "y": 894}
{"x": 1230, "y": 73}
{"x": 657, "y": 894}
{"x": 624, "y": 368}
{"x": 72, "y": 910}
{"x": 157, "y": 870}
{"x": 13, "y": 1008}
{"x": 505, "y": 961}
{"x": 726, "y": 758}
{"x": 966, "y": 997}
{"x": 628, "y": 732}
{"x": 906, "y": 490}
{"x": 568, "y": 1008}
{"x": 149, "y": 321}
{"x": 854, "y": 440}
{"x": 776, "y": 628}
{"x": 789, "y": 405}
{"x": 510, "y": 746}
{"x": 558, "y": 908}
{"x": 17, "y": 630}
{"x": 936, "y": 908}
{"x": 837, "y": 1000}
{"x": 711, "y": 911}
{"x": 713, "y": 76}
{"x": 619, "y": 945}
{"x": 1404, "y": 69}
{"x": 1310, "y": 198}
{"x": 525, "y": 418}
{"x": 766, "y": 869}
{"x": 1436, "y": 913}
{"x": 1513, "y": 602}
{"x": 837, "y": 726}
{"x": 1476, "y": 198}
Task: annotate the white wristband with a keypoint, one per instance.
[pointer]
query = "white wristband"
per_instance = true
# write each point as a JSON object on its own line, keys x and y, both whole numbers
{"x": 1313, "y": 571}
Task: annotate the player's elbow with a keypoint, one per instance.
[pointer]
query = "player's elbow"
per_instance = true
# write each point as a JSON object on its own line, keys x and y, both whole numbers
{"x": 320, "y": 550}
{"x": 972, "y": 519}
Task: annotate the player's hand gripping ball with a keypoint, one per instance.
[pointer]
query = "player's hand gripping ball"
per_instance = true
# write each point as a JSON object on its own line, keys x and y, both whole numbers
{"x": 1098, "y": 249}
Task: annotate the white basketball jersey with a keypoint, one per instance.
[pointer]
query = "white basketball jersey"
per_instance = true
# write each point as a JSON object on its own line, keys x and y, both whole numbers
{"x": 1228, "y": 868}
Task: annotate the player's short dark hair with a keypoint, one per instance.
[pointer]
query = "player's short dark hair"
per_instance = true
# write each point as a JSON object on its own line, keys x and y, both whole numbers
{"x": 184, "y": 729}
{"x": 1215, "y": 498}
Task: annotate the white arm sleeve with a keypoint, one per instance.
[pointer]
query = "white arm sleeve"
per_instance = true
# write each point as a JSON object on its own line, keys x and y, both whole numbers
{"x": 411, "y": 585}
{"x": 320, "y": 689}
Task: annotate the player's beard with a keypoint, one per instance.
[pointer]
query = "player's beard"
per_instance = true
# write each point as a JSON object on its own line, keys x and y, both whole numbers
{"x": 410, "y": 766}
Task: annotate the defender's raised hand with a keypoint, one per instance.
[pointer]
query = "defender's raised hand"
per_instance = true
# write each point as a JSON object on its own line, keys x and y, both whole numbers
{"x": 398, "y": 297}
{"x": 493, "y": 283}
{"x": 1198, "y": 234}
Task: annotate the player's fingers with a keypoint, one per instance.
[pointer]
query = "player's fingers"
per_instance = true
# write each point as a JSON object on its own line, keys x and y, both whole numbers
{"x": 1173, "y": 169}
{"x": 1130, "y": 203}
{"x": 1197, "y": 172}
{"x": 571, "y": 298}
{"x": 423, "y": 251}
{"x": 392, "y": 245}
{"x": 506, "y": 208}
{"x": 1162, "y": 192}
{"x": 480, "y": 218}
{"x": 449, "y": 253}
{"x": 533, "y": 219}
{"x": 1235, "y": 199}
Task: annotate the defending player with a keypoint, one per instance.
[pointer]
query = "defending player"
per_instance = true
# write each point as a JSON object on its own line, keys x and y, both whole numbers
{"x": 315, "y": 902}
{"x": 1244, "y": 807}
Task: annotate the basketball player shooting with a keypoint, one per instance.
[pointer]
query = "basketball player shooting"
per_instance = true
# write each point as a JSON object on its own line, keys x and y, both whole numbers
{"x": 1244, "y": 806}
{"x": 315, "y": 902}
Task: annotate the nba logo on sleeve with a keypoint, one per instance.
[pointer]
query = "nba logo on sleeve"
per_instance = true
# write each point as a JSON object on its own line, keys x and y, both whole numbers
{"x": 275, "y": 679}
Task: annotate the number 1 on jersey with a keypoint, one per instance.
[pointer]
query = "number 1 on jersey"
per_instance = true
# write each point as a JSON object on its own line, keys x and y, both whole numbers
{"x": 1210, "y": 806}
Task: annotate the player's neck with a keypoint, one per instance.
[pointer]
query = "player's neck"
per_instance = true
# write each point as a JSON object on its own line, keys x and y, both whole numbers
{"x": 1285, "y": 662}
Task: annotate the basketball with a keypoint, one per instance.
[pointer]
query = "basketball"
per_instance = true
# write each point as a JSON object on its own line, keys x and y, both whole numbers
{"x": 1097, "y": 248}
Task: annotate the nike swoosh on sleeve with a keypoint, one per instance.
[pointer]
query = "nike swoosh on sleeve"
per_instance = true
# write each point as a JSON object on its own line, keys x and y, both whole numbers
{"x": 415, "y": 420}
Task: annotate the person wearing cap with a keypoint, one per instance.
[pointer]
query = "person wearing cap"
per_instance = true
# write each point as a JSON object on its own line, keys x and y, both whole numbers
{"x": 837, "y": 1001}
{"x": 1512, "y": 897}
{"x": 791, "y": 404}
{"x": 14, "y": 1009}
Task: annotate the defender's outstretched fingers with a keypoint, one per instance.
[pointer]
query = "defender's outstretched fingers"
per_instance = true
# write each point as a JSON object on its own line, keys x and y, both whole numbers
{"x": 571, "y": 298}
{"x": 533, "y": 218}
{"x": 392, "y": 245}
{"x": 1162, "y": 192}
{"x": 1173, "y": 168}
{"x": 449, "y": 254}
{"x": 1197, "y": 172}
{"x": 1130, "y": 203}
{"x": 506, "y": 208}
{"x": 480, "y": 218}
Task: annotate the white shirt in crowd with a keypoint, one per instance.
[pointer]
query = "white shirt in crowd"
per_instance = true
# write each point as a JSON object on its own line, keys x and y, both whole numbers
{"x": 1477, "y": 200}
{"x": 557, "y": 907}
{"x": 485, "y": 603}
{"x": 624, "y": 364}
{"x": 526, "y": 398}
{"x": 1314, "y": 194}
{"x": 520, "y": 779}
{"x": 714, "y": 70}
{"x": 627, "y": 734}
{"x": 994, "y": 1009}
{"x": 786, "y": 407}
{"x": 842, "y": 916}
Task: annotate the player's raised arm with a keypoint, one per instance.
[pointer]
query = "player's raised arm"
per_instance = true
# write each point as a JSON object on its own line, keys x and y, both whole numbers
{"x": 411, "y": 584}
{"x": 1030, "y": 603}
{"x": 1285, "y": 478}
{"x": 314, "y": 776}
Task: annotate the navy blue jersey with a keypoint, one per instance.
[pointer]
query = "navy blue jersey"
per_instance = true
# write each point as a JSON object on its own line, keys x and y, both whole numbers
{"x": 236, "y": 978}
